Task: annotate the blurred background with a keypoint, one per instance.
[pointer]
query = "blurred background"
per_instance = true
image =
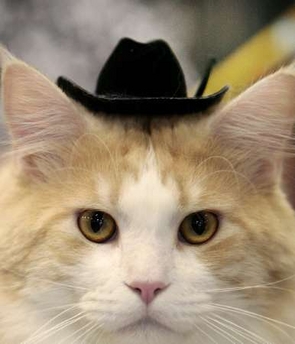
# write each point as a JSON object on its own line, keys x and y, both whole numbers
{"x": 75, "y": 37}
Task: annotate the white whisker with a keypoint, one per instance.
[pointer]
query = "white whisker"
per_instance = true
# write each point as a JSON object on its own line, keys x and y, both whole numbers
{"x": 270, "y": 321}
{"x": 61, "y": 284}
{"x": 251, "y": 333}
{"x": 221, "y": 332}
{"x": 93, "y": 326}
{"x": 60, "y": 326}
{"x": 34, "y": 334}
{"x": 85, "y": 327}
{"x": 234, "y": 330}
{"x": 206, "y": 334}
{"x": 269, "y": 284}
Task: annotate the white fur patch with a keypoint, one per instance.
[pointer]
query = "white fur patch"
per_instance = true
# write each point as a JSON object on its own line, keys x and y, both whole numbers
{"x": 146, "y": 250}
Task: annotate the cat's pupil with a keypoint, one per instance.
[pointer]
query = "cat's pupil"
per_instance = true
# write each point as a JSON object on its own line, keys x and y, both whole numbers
{"x": 97, "y": 221}
{"x": 199, "y": 223}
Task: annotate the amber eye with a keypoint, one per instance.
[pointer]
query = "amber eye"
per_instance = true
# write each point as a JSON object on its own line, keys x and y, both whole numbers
{"x": 97, "y": 226}
{"x": 199, "y": 227}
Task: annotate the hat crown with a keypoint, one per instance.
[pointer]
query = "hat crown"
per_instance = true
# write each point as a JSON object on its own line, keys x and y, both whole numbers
{"x": 142, "y": 79}
{"x": 142, "y": 70}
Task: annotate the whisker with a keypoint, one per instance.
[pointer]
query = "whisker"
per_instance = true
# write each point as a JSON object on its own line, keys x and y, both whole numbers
{"x": 269, "y": 284}
{"x": 115, "y": 166}
{"x": 254, "y": 315}
{"x": 222, "y": 333}
{"x": 89, "y": 324}
{"x": 236, "y": 331}
{"x": 88, "y": 331}
{"x": 205, "y": 334}
{"x": 50, "y": 309}
{"x": 57, "y": 328}
{"x": 235, "y": 173}
{"x": 49, "y": 322}
{"x": 91, "y": 332}
{"x": 95, "y": 336}
{"x": 242, "y": 328}
{"x": 231, "y": 167}
{"x": 66, "y": 285}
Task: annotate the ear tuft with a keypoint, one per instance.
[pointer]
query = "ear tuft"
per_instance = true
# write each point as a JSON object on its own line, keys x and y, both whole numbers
{"x": 5, "y": 57}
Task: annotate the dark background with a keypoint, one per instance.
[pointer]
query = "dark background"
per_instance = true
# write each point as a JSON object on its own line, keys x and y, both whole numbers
{"x": 74, "y": 37}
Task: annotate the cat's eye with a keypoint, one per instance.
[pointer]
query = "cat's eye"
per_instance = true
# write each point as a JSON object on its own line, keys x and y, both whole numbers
{"x": 97, "y": 226}
{"x": 197, "y": 228}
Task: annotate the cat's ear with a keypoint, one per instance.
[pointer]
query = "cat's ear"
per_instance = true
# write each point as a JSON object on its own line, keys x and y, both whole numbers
{"x": 41, "y": 120}
{"x": 256, "y": 127}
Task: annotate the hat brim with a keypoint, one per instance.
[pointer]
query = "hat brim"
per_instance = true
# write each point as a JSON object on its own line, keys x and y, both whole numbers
{"x": 132, "y": 106}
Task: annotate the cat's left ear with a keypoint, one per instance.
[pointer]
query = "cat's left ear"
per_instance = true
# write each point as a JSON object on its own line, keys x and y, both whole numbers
{"x": 42, "y": 121}
{"x": 255, "y": 129}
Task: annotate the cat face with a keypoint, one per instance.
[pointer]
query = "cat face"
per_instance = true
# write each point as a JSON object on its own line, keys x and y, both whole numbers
{"x": 154, "y": 278}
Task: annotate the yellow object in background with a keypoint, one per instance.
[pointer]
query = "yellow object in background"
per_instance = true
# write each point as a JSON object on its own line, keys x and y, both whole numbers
{"x": 270, "y": 49}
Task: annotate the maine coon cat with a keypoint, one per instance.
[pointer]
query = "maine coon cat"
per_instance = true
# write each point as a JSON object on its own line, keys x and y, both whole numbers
{"x": 113, "y": 234}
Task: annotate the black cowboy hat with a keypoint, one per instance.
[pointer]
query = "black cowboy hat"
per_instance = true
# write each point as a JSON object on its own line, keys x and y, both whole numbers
{"x": 142, "y": 79}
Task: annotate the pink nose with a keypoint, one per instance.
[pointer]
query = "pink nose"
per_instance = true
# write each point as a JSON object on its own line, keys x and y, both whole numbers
{"x": 147, "y": 290}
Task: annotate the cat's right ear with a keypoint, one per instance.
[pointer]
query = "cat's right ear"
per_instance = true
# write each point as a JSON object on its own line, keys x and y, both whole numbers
{"x": 41, "y": 120}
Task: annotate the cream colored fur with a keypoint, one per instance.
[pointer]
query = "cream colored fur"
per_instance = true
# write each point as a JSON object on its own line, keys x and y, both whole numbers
{"x": 58, "y": 287}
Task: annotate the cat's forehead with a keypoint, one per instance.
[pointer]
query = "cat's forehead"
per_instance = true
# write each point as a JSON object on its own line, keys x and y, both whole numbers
{"x": 173, "y": 165}
{"x": 138, "y": 185}
{"x": 148, "y": 192}
{"x": 130, "y": 150}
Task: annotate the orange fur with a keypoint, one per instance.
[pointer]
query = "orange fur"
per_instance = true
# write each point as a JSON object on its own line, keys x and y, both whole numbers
{"x": 229, "y": 162}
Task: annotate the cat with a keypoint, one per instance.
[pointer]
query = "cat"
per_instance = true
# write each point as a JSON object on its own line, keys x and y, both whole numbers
{"x": 113, "y": 234}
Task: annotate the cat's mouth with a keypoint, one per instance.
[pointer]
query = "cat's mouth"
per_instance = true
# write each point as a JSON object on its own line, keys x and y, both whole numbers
{"x": 144, "y": 324}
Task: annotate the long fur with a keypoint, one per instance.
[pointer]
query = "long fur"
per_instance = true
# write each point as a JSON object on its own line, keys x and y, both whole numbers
{"x": 58, "y": 287}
